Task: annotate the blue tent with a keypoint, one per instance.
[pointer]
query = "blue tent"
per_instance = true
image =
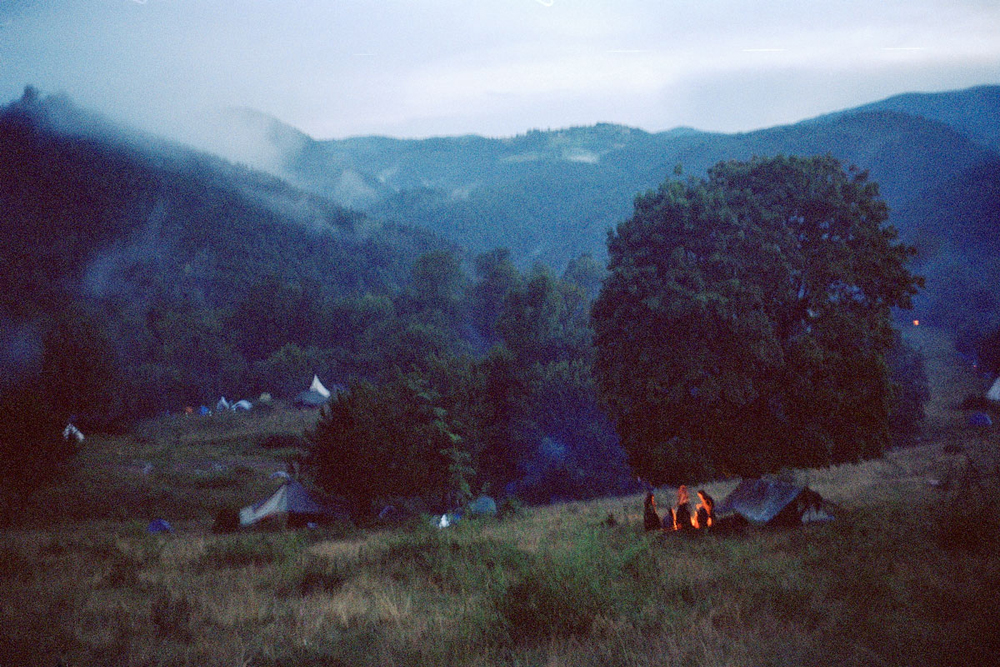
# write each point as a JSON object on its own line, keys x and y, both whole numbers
{"x": 159, "y": 526}
{"x": 980, "y": 419}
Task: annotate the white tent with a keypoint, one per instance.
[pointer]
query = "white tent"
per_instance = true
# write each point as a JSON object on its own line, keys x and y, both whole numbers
{"x": 72, "y": 432}
{"x": 994, "y": 393}
{"x": 290, "y": 500}
{"x": 318, "y": 387}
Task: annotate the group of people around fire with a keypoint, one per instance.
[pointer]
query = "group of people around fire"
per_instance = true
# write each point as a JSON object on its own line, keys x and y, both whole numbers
{"x": 680, "y": 516}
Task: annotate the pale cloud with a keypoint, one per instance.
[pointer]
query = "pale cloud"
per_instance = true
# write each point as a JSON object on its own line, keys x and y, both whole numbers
{"x": 422, "y": 67}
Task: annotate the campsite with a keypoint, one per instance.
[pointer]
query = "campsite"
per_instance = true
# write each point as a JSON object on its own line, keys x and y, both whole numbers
{"x": 531, "y": 334}
{"x": 906, "y": 573}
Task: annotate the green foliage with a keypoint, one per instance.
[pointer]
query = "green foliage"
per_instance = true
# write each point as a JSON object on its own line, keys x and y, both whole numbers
{"x": 382, "y": 442}
{"x": 459, "y": 470}
{"x": 746, "y": 319}
{"x": 496, "y": 277}
{"x": 70, "y": 373}
{"x": 578, "y": 454}
{"x": 545, "y": 320}
{"x": 212, "y": 280}
{"x": 437, "y": 282}
{"x": 585, "y": 273}
{"x": 197, "y": 269}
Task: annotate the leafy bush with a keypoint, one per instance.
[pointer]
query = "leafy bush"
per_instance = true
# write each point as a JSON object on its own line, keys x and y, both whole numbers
{"x": 373, "y": 443}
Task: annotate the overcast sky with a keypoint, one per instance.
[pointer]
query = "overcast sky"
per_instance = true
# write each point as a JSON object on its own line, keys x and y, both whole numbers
{"x": 417, "y": 68}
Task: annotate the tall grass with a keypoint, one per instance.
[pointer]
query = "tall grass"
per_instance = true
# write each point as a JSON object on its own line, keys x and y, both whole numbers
{"x": 877, "y": 586}
{"x": 906, "y": 575}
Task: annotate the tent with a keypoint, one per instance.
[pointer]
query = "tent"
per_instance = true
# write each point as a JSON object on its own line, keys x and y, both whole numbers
{"x": 316, "y": 395}
{"x": 159, "y": 526}
{"x": 994, "y": 393}
{"x": 292, "y": 502}
{"x": 318, "y": 387}
{"x": 313, "y": 397}
{"x": 483, "y": 505}
{"x": 71, "y": 432}
{"x": 770, "y": 502}
{"x": 980, "y": 419}
{"x": 224, "y": 405}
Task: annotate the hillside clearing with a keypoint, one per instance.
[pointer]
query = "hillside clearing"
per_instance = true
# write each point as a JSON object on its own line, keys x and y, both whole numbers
{"x": 905, "y": 575}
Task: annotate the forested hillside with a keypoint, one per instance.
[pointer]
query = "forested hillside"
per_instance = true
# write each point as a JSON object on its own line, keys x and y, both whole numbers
{"x": 552, "y": 195}
{"x": 196, "y": 272}
{"x": 975, "y": 112}
{"x": 142, "y": 277}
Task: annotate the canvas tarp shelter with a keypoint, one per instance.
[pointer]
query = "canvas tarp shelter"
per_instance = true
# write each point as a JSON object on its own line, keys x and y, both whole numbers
{"x": 291, "y": 500}
{"x": 765, "y": 501}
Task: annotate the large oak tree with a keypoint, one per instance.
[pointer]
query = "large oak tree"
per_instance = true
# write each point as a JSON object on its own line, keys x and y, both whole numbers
{"x": 745, "y": 321}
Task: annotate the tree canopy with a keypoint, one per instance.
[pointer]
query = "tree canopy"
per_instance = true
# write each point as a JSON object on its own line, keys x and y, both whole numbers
{"x": 746, "y": 318}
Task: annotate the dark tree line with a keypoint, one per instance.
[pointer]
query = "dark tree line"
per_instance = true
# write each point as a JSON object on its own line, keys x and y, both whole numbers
{"x": 519, "y": 416}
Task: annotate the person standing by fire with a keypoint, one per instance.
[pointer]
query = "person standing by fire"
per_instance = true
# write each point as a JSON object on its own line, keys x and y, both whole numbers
{"x": 682, "y": 511}
{"x": 704, "y": 511}
{"x": 651, "y": 518}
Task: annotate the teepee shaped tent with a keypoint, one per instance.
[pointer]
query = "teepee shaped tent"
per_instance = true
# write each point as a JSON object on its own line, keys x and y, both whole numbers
{"x": 318, "y": 387}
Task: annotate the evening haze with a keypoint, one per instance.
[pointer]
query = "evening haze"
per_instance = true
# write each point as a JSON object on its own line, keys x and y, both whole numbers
{"x": 496, "y": 68}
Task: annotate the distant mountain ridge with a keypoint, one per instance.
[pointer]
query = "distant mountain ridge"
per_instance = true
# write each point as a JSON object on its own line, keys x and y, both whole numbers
{"x": 553, "y": 195}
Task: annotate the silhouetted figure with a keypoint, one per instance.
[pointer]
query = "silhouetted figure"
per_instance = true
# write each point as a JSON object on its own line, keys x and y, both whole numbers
{"x": 682, "y": 511}
{"x": 704, "y": 511}
{"x": 650, "y": 518}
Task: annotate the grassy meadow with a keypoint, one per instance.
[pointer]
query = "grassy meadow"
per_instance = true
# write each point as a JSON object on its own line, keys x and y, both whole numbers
{"x": 907, "y": 574}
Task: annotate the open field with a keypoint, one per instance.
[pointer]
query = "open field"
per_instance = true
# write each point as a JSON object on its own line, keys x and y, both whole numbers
{"x": 908, "y": 573}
